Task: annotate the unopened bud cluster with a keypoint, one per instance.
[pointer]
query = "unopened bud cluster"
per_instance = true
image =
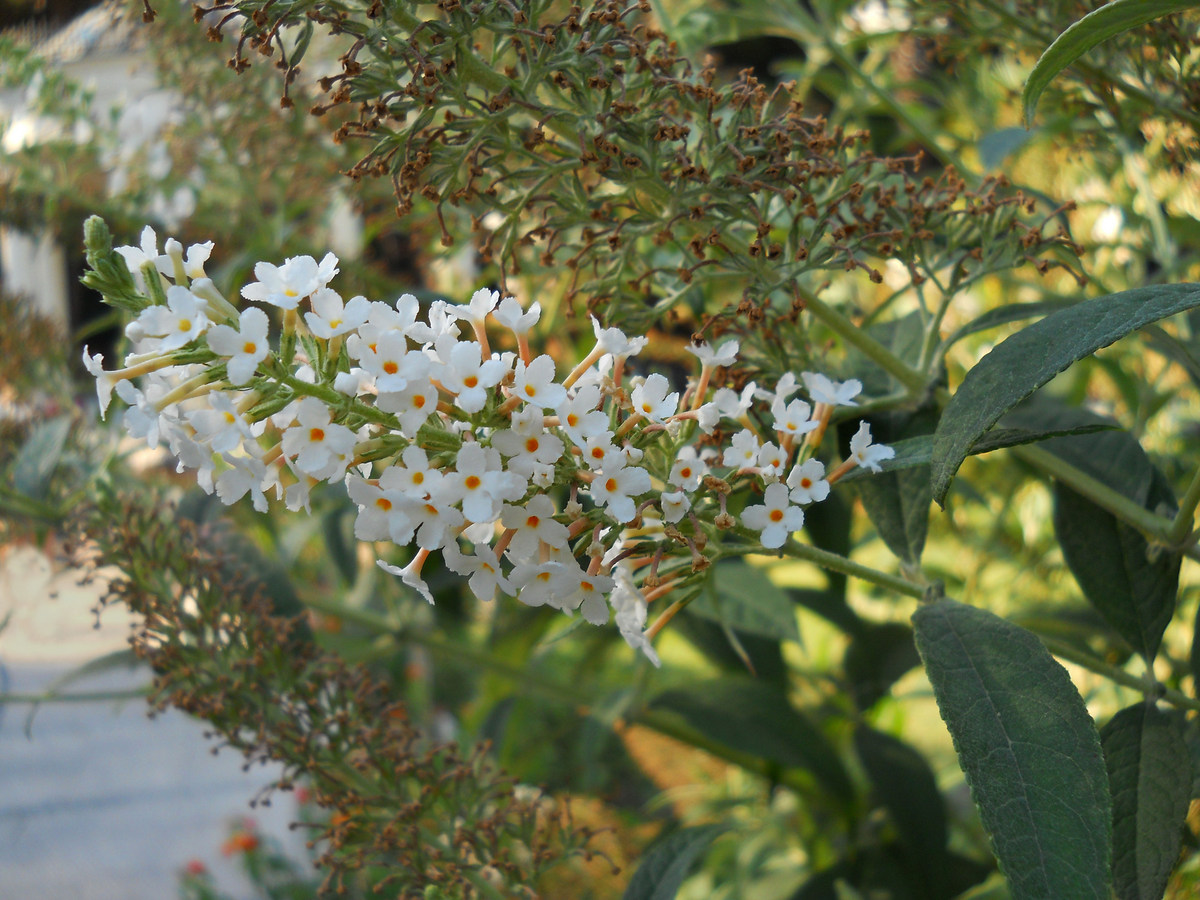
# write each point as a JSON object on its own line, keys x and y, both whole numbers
{"x": 590, "y": 491}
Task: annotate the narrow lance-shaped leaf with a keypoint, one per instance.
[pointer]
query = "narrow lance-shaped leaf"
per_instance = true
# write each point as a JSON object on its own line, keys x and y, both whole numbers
{"x": 1133, "y": 585}
{"x": 1150, "y": 776}
{"x": 664, "y": 868}
{"x": 1093, "y": 29}
{"x": 1028, "y": 748}
{"x": 1031, "y": 357}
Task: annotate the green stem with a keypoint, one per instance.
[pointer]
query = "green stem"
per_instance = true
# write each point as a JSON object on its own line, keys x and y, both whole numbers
{"x": 1181, "y": 527}
{"x": 1149, "y": 687}
{"x": 863, "y": 342}
{"x": 833, "y": 562}
{"x": 1153, "y": 526}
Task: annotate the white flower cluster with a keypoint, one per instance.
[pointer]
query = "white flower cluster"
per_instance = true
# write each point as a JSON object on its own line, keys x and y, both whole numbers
{"x": 482, "y": 456}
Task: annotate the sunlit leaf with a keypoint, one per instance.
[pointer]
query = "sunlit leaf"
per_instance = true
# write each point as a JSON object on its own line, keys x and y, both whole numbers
{"x": 1094, "y": 28}
{"x": 1031, "y": 357}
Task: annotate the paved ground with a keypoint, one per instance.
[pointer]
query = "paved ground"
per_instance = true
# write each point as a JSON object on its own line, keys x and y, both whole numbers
{"x": 98, "y": 802}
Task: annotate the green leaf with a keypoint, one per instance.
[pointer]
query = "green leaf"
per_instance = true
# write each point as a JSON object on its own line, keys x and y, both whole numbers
{"x": 906, "y": 787}
{"x": 1133, "y": 585}
{"x": 668, "y": 862}
{"x": 1094, "y": 28}
{"x": 1095, "y": 445}
{"x": 1031, "y": 357}
{"x": 38, "y": 457}
{"x": 997, "y": 146}
{"x": 1028, "y": 748}
{"x": 1150, "y": 777}
{"x": 743, "y": 597}
{"x": 897, "y": 502}
{"x": 878, "y": 655}
{"x": 758, "y": 720}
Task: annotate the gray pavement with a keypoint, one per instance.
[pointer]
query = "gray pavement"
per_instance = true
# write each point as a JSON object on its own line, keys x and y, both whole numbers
{"x": 97, "y": 801}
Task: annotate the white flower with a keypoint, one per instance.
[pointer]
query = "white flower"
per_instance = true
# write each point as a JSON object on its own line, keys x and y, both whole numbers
{"x": 246, "y": 474}
{"x": 733, "y": 405}
{"x": 614, "y": 341}
{"x": 482, "y": 302}
{"x": 535, "y": 524}
{"x": 331, "y": 317}
{"x": 535, "y": 383}
{"x": 579, "y": 417}
{"x": 541, "y": 584}
{"x": 510, "y": 315}
{"x": 775, "y": 518}
{"x": 391, "y": 362}
{"x": 771, "y": 460}
{"x": 179, "y": 322}
{"x": 675, "y": 505}
{"x": 197, "y": 256}
{"x": 650, "y": 399}
{"x": 285, "y": 286}
{"x": 415, "y": 476}
{"x": 220, "y": 426}
{"x": 315, "y": 441}
{"x": 136, "y": 257}
{"x": 245, "y": 346}
{"x": 382, "y": 509}
{"x": 410, "y": 575}
{"x": 435, "y": 516}
{"x": 688, "y": 469}
{"x": 615, "y": 488}
{"x": 480, "y": 482}
{"x": 630, "y": 608}
{"x": 600, "y": 451}
{"x": 866, "y": 454}
{"x": 481, "y": 569}
{"x": 793, "y": 419}
{"x": 468, "y": 375}
{"x": 104, "y": 380}
{"x": 413, "y": 405}
{"x": 742, "y": 452}
{"x": 528, "y": 445}
{"x": 725, "y": 355}
{"x": 836, "y": 393}
{"x": 808, "y": 483}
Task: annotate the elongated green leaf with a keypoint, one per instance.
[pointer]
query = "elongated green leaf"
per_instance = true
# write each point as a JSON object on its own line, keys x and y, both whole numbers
{"x": 1031, "y": 357}
{"x": 1150, "y": 777}
{"x": 879, "y": 654}
{"x": 1029, "y": 750}
{"x": 906, "y": 787}
{"x": 668, "y": 862}
{"x": 1094, "y": 28}
{"x": 897, "y": 501}
{"x": 39, "y": 456}
{"x": 758, "y": 719}
{"x": 1132, "y": 585}
{"x": 742, "y": 597}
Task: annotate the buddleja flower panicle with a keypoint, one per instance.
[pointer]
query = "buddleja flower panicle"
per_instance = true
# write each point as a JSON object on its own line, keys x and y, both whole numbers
{"x": 440, "y": 439}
